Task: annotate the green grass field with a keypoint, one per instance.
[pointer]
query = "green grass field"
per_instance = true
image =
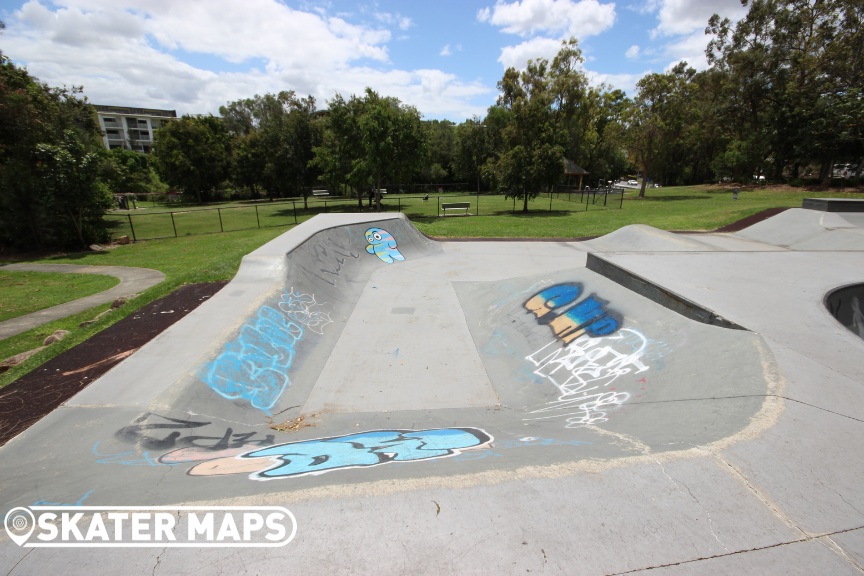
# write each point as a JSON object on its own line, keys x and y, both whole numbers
{"x": 201, "y": 253}
{"x": 26, "y": 292}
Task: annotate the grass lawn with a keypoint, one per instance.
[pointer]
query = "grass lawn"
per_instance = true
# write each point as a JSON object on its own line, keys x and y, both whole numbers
{"x": 215, "y": 256}
{"x": 185, "y": 260}
{"x": 26, "y": 292}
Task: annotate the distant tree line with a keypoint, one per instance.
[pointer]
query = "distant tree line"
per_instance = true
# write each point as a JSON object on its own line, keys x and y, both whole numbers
{"x": 782, "y": 100}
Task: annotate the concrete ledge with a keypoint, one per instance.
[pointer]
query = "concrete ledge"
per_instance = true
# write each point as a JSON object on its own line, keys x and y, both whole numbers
{"x": 833, "y": 204}
{"x": 656, "y": 293}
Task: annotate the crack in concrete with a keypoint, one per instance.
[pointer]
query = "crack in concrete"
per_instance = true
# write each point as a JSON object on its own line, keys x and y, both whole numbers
{"x": 757, "y": 549}
{"x": 690, "y": 492}
{"x": 19, "y": 561}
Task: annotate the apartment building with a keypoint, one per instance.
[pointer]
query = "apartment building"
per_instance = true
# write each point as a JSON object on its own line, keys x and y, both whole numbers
{"x": 131, "y": 128}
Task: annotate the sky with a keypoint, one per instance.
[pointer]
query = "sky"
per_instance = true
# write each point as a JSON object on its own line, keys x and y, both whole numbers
{"x": 443, "y": 57}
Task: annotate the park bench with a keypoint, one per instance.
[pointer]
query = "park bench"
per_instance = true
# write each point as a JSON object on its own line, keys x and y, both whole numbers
{"x": 456, "y": 206}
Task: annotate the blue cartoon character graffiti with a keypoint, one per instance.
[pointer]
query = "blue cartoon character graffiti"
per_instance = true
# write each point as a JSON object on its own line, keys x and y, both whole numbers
{"x": 383, "y": 245}
{"x": 359, "y": 450}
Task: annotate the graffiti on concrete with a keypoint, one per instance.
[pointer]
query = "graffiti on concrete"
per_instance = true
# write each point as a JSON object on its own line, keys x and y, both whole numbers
{"x": 361, "y": 450}
{"x": 125, "y": 458}
{"x": 303, "y": 309}
{"x": 331, "y": 251}
{"x": 582, "y": 373}
{"x": 159, "y": 433}
{"x": 79, "y": 502}
{"x": 383, "y": 245}
{"x": 556, "y": 307}
{"x": 254, "y": 366}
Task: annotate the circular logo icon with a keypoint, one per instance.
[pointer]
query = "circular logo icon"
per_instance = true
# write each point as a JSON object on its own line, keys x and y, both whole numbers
{"x": 19, "y": 523}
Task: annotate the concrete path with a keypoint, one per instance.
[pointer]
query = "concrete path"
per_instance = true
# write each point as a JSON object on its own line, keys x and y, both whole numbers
{"x": 487, "y": 408}
{"x": 132, "y": 281}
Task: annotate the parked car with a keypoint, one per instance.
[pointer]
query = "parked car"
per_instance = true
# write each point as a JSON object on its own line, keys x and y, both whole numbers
{"x": 632, "y": 182}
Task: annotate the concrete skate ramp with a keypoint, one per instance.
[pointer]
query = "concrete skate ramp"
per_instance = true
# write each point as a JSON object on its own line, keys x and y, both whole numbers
{"x": 643, "y": 238}
{"x": 354, "y": 341}
{"x": 845, "y": 306}
{"x": 805, "y": 230}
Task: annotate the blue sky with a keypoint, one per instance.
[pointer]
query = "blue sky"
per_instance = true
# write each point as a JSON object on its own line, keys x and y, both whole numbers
{"x": 442, "y": 56}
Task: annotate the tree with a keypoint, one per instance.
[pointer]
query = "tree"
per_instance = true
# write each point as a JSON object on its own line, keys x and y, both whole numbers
{"x": 369, "y": 141}
{"x": 274, "y": 136}
{"x": 192, "y": 153}
{"x": 69, "y": 174}
{"x": 655, "y": 123}
{"x": 123, "y": 170}
{"x": 602, "y": 146}
{"x": 540, "y": 102}
{"x": 792, "y": 90}
{"x": 441, "y": 135}
{"x": 473, "y": 149}
{"x": 46, "y": 138}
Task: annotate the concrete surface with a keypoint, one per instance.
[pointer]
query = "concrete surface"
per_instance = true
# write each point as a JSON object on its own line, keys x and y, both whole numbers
{"x": 430, "y": 408}
{"x": 132, "y": 281}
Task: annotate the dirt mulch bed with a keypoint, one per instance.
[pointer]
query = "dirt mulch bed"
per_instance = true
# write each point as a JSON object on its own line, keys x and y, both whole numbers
{"x": 25, "y": 401}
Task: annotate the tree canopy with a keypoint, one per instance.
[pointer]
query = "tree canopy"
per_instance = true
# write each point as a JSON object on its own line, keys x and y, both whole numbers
{"x": 49, "y": 145}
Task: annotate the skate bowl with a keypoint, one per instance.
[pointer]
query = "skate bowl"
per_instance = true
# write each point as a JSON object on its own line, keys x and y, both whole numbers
{"x": 357, "y": 371}
{"x": 361, "y": 332}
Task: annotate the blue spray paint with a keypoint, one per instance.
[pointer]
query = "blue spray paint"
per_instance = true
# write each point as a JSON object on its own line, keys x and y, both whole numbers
{"x": 383, "y": 245}
{"x": 366, "y": 449}
{"x": 589, "y": 316}
{"x": 254, "y": 366}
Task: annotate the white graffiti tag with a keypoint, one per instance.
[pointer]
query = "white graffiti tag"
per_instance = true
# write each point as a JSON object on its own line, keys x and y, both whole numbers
{"x": 300, "y": 308}
{"x": 582, "y": 372}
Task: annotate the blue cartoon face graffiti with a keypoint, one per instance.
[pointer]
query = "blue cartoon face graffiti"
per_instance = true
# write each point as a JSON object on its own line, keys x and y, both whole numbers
{"x": 383, "y": 245}
{"x": 359, "y": 450}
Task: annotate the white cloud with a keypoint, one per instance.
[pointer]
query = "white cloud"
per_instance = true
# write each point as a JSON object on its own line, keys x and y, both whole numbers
{"x": 194, "y": 56}
{"x": 626, "y": 82}
{"x": 518, "y": 56}
{"x": 449, "y": 50}
{"x": 690, "y": 48}
{"x": 561, "y": 17}
{"x": 632, "y": 53}
{"x": 687, "y": 16}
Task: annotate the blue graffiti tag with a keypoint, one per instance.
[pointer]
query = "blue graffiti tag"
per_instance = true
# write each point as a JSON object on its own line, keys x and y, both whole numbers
{"x": 80, "y": 501}
{"x": 254, "y": 366}
{"x": 383, "y": 245}
{"x": 588, "y": 316}
{"x": 366, "y": 449}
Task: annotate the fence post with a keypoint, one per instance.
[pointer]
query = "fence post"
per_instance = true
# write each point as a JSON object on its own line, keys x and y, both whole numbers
{"x": 439, "y": 206}
{"x": 621, "y": 205}
{"x": 132, "y": 228}
{"x": 173, "y": 225}
{"x": 550, "y": 201}
{"x": 219, "y": 212}
{"x": 294, "y": 204}
{"x": 257, "y": 218}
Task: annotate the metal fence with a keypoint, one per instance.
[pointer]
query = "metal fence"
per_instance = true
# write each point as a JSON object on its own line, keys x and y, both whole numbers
{"x": 158, "y": 222}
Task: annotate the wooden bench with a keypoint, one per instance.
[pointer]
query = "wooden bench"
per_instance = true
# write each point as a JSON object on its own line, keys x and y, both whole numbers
{"x": 456, "y": 206}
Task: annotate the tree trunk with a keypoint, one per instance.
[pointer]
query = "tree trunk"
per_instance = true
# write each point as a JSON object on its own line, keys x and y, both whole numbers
{"x": 524, "y": 200}
{"x": 825, "y": 173}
